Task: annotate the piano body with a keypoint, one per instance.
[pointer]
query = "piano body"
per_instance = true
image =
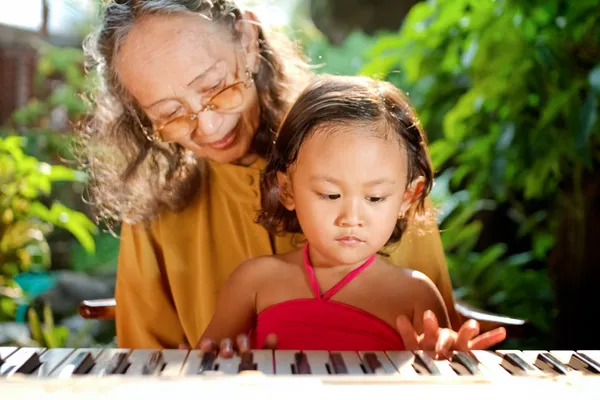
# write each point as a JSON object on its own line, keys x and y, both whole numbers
{"x": 65, "y": 373}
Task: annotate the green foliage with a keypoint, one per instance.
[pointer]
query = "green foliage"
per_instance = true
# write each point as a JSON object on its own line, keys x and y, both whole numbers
{"x": 508, "y": 93}
{"x": 496, "y": 69}
{"x": 26, "y": 220}
{"x": 46, "y": 334}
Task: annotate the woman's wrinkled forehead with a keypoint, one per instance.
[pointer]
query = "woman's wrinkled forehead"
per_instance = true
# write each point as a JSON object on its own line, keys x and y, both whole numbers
{"x": 162, "y": 54}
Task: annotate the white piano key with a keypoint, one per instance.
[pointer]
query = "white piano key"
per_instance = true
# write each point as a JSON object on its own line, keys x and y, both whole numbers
{"x": 594, "y": 354}
{"x": 565, "y": 357}
{"x": 228, "y": 366}
{"x": 264, "y": 361}
{"x": 103, "y": 360}
{"x": 385, "y": 368}
{"x": 19, "y": 358}
{"x": 174, "y": 361}
{"x": 551, "y": 364}
{"x": 191, "y": 365}
{"x": 138, "y": 359}
{"x": 66, "y": 369}
{"x": 442, "y": 365}
{"x": 353, "y": 362}
{"x": 284, "y": 359}
{"x": 6, "y": 351}
{"x": 528, "y": 358}
{"x": 491, "y": 363}
{"x": 403, "y": 361}
{"x": 318, "y": 361}
{"x": 51, "y": 359}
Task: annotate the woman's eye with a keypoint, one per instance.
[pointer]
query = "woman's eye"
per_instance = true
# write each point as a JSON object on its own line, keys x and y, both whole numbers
{"x": 171, "y": 114}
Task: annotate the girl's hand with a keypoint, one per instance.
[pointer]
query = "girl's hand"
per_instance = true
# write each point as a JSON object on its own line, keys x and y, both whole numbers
{"x": 227, "y": 348}
{"x": 444, "y": 341}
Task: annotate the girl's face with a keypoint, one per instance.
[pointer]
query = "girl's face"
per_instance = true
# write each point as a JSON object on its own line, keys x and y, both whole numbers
{"x": 175, "y": 64}
{"x": 348, "y": 189}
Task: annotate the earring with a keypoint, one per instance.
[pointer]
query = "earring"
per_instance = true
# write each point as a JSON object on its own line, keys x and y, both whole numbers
{"x": 249, "y": 78}
{"x": 150, "y": 137}
{"x": 401, "y": 215}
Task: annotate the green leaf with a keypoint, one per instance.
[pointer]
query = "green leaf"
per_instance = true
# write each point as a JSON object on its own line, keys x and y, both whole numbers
{"x": 35, "y": 326}
{"x": 542, "y": 243}
{"x": 486, "y": 260}
{"x": 441, "y": 151}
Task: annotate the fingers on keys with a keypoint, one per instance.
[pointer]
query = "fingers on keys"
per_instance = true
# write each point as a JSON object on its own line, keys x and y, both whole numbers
{"x": 407, "y": 332}
{"x": 488, "y": 339}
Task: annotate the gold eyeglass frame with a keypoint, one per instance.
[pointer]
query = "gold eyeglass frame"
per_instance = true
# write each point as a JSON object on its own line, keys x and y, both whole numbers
{"x": 193, "y": 115}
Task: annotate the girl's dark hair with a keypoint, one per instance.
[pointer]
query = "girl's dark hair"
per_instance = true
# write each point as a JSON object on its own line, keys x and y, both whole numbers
{"x": 133, "y": 179}
{"x": 331, "y": 100}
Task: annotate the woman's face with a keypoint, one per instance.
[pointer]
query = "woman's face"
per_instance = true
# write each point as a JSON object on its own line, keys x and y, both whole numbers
{"x": 175, "y": 64}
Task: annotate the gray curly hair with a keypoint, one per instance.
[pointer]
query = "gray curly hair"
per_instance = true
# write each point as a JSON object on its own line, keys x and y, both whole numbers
{"x": 133, "y": 179}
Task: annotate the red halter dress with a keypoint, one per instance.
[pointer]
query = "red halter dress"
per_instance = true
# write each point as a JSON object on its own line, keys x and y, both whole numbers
{"x": 323, "y": 324}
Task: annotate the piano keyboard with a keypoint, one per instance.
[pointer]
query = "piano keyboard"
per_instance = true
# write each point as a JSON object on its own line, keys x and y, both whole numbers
{"x": 21, "y": 368}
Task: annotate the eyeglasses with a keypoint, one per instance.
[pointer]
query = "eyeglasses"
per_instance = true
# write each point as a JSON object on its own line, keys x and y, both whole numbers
{"x": 228, "y": 100}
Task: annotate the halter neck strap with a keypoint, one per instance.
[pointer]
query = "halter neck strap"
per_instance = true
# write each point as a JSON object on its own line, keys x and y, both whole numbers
{"x": 338, "y": 286}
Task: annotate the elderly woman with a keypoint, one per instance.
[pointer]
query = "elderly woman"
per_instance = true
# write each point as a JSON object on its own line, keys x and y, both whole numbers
{"x": 189, "y": 97}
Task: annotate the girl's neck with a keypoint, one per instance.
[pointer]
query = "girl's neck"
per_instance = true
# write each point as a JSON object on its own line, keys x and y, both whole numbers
{"x": 317, "y": 261}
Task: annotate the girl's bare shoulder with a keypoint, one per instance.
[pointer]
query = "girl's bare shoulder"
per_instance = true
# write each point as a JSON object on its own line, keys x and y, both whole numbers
{"x": 262, "y": 267}
{"x": 402, "y": 279}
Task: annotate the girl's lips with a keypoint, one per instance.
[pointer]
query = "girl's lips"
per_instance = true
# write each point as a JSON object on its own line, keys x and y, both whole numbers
{"x": 349, "y": 241}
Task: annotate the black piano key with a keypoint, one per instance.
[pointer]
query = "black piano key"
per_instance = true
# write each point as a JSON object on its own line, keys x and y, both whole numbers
{"x": 467, "y": 361}
{"x": 372, "y": 363}
{"x": 581, "y": 358}
{"x": 30, "y": 365}
{"x": 302, "y": 365}
{"x": 247, "y": 362}
{"x": 155, "y": 364}
{"x": 337, "y": 363}
{"x": 207, "y": 362}
{"x": 423, "y": 359}
{"x": 117, "y": 364}
{"x": 23, "y": 361}
{"x": 512, "y": 359}
{"x": 552, "y": 362}
{"x": 79, "y": 365}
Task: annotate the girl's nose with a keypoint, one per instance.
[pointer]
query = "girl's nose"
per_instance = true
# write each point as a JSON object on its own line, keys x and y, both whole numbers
{"x": 350, "y": 215}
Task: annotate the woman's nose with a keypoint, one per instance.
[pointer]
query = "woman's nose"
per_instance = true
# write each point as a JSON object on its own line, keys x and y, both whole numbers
{"x": 209, "y": 122}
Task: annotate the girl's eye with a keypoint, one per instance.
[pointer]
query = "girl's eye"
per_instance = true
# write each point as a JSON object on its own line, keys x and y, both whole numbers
{"x": 376, "y": 199}
{"x": 329, "y": 196}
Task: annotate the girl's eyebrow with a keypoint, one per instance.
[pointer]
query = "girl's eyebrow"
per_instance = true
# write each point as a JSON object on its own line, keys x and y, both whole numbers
{"x": 374, "y": 182}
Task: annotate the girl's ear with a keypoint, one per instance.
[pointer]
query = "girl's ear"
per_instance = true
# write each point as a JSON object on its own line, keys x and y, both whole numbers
{"x": 286, "y": 194}
{"x": 248, "y": 26}
{"x": 411, "y": 195}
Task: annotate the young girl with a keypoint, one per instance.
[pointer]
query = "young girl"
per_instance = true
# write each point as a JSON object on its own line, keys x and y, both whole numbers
{"x": 349, "y": 170}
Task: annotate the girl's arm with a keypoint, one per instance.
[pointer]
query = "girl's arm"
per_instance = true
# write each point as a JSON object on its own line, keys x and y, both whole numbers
{"x": 236, "y": 306}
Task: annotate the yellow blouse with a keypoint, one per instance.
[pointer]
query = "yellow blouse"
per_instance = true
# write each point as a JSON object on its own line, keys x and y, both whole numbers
{"x": 169, "y": 275}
